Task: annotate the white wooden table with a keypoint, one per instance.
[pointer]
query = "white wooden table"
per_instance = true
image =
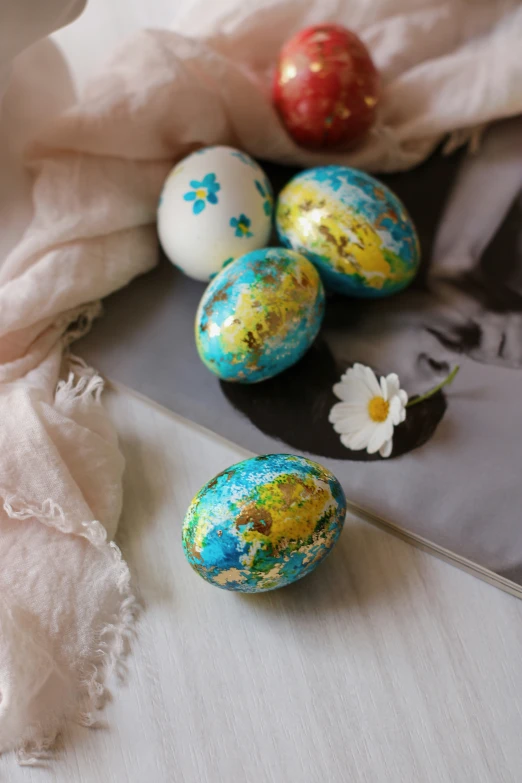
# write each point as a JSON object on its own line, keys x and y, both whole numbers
{"x": 385, "y": 666}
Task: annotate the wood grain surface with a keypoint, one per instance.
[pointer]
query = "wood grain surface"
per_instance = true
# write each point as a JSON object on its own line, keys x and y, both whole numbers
{"x": 384, "y": 666}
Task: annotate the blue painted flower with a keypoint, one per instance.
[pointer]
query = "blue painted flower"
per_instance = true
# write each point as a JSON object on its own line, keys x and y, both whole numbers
{"x": 241, "y": 224}
{"x": 244, "y": 158}
{"x": 227, "y": 262}
{"x": 203, "y": 191}
{"x": 266, "y": 193}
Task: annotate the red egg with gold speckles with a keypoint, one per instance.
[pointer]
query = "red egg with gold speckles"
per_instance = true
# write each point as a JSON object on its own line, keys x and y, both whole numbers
{"x": 326, "y": 87}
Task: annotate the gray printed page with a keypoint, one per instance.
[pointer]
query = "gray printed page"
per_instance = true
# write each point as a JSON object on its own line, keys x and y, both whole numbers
{"x": 454, "y": 476}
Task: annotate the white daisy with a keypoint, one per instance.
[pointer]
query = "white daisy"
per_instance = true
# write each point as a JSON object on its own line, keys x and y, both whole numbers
{"x": 369, "y": 410}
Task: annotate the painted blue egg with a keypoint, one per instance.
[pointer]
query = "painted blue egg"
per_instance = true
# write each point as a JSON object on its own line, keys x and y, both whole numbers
{"x": 352, "y": 227}
{"x": 259, "y": 315}
{"x": 264, "y": 523}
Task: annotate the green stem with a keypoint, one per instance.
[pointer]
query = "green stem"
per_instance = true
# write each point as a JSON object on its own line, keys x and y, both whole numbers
{"x": 436, "y": 389}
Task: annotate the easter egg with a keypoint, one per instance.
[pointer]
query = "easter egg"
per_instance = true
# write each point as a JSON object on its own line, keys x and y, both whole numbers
{"x": 216, "y": 205}
{"x": 326, "y": 87}
{"x": 263, "y": 523}
{"x": 352, "y": 227}
{"x": 259, "y": 315}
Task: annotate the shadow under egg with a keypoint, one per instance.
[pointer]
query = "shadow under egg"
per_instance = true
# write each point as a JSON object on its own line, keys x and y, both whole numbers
{"x": 293, "y": 407}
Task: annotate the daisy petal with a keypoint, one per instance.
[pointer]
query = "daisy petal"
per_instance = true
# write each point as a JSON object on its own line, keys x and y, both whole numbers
{"x": 341, "y": 409}
{"x": 386, "y": 449}
{"x": 381, "y": 434}
{"x": 349, "y": 424}
{"x": 347, "y": 441}
{"x": 393, "y": 384}
{"x": 397, "y": 410}
{"x": 384, "y": 388}
{"x": 372, "y": 382}
{"x": 353, "y": 390}
{"x": 358, "y": 440}
{"x": 367, "y": 375}
{"x": 357, "y": 372}
{"x": 403, "y": 396}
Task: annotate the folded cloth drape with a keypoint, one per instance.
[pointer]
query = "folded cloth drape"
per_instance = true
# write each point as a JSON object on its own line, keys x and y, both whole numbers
{"x": 66, "y": 605}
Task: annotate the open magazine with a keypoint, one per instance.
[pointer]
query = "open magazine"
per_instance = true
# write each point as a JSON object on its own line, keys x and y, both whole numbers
{"x": 454, "y": 481}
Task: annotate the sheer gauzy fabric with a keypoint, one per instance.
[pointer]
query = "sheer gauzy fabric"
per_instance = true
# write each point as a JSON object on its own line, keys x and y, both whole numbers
{"x": 66, "y": 605}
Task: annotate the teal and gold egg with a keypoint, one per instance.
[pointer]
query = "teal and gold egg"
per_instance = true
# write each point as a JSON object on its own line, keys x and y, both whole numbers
{"x": 259, "y": 315}
{"x": 264, "y": 523}
{"x": 352, "y": 227}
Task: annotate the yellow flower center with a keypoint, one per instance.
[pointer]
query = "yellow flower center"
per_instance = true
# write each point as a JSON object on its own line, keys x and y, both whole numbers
{"x": 201, "y": 193}
{"x": 378, "y": 409}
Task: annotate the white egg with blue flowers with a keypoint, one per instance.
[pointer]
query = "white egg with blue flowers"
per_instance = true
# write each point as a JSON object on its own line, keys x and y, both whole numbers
{"x": 216, "y": 205}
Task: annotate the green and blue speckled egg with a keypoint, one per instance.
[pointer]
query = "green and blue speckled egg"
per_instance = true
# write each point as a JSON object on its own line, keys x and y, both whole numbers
{"x": 352, "y": 227}
{"x": 263, "y": 523}
{"x": 259, "y": 315}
